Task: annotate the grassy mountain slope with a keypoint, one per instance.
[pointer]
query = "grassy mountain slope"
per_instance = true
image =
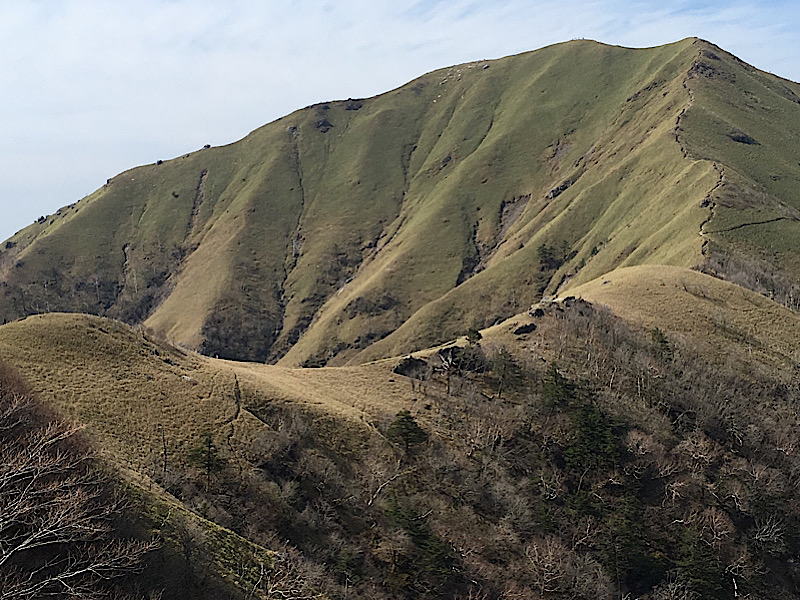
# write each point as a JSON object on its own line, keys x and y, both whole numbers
{"x": 364, "y": 228}
{"x": 575, "y": 175}
{"x": 746, "y": 121}
{"x": 102, "y": 372}
{"x": 648, "y": 449}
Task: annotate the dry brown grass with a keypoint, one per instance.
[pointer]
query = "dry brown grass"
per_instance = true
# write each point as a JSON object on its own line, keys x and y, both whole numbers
{"x": 130, "y": 389}
{"x": 125, "y": 387}
{"x": 723, "y": 319}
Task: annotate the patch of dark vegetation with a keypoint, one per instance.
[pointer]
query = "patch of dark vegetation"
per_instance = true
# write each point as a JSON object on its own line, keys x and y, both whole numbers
{"x": 432, "y": 565}
{"x": 140, "y": 297}
{"x": 57, "y": 291}
{"x": 552, "y": 257}
{"x": 473, "y": 260}
{"x": 468, "y": 265}
{"x": 289, "y": 338}
{"x": 466, "y": 359}
{"x": 364, "y": 305}
{"x": 323, "y": 125}
{"x": 364, "y": 341}
{"x": 758, "y": 275}
{"x": 525, "y": 329}
{"x": 737, "y": 135}
{"x": 415, "y": 368}
{"x": 336, "y": 268}
{"x": 239, "y": 330}
{"x": 314, "y": 362}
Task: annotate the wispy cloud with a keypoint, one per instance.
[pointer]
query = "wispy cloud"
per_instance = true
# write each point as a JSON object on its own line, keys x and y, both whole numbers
{"x": 94, "y": 87}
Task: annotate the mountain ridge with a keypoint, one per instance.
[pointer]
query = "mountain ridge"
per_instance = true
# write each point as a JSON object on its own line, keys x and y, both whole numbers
{"x": 355, "y": 229}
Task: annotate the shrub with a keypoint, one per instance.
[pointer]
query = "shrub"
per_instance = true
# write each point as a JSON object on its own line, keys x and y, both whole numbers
{"x": 405, "y": 431}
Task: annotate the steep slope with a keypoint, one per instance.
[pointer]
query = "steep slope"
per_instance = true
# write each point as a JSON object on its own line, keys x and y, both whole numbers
{"x": 365, "y": 228}
{"x": 590, "y": 459}
{"x": 235, "y": 250}
{"x": 747, "y": 121}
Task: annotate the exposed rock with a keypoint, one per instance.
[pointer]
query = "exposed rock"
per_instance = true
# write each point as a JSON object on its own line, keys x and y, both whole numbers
{"x": 564, "y": 185}
{"x": 701, "y": 68}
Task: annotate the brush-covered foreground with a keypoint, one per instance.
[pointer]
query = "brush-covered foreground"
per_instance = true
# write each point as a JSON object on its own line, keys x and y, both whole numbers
{"x": 564, "y": 455}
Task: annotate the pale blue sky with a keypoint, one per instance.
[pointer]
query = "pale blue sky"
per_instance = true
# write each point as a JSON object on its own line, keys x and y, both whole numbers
{"x": 93, "y": 87}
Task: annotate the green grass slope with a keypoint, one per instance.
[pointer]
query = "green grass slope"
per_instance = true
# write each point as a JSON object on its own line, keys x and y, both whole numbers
{"x": 357, "y": 229}
{"x": 747, "y": 122}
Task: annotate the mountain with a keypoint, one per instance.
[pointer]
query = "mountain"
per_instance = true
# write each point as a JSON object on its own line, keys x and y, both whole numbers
{"x": 357, "y": 229}
{"x": 552, "y": 302}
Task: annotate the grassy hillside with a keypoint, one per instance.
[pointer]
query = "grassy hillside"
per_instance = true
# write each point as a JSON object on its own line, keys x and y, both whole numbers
{"x": 746, "y": 121}
{"x": 726, "y": 322}
{"x": 576, "y": 442}
{"x": 364, "y": 228}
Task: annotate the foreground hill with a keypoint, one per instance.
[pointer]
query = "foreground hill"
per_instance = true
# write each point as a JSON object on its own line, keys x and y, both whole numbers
{"x": 592, "y": 459}
{"x": 358, "y": 229}
{"x": 726, "y": 323}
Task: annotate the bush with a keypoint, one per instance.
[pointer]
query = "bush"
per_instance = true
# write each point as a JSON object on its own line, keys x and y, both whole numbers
{"x": 557, "y": 389}
{"x": 405, "y": 431}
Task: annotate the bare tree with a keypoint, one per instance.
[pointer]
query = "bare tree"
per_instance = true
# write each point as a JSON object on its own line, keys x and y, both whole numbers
{"x": 56, "y": 511}
{"x": 550, "y": 565}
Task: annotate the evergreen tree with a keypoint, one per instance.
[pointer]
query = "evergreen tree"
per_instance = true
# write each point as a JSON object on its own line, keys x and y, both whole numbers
{"x": 405, "y": 430}
{"x": 206, "y": 457}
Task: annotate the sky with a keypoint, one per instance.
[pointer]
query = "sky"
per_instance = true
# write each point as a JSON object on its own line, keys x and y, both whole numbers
{"x": 90, "y": 88}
